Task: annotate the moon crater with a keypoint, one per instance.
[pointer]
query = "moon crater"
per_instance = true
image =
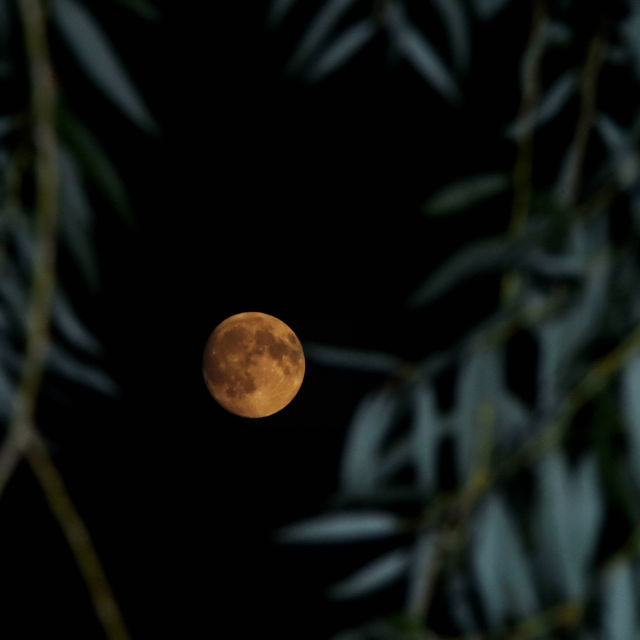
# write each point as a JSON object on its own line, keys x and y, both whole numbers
{"x": 253, "y": 364}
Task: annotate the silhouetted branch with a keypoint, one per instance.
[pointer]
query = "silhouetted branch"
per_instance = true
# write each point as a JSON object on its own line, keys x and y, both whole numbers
{"x": 23, "y": 437}
{"x": 569, "y": 186}
{"x": 78, "y": 538}
{"x": 522, "y": 172}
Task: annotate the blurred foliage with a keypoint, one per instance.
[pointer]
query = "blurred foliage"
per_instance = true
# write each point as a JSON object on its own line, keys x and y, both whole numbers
{"x": 53, "y": 171}
{"x": 85, "y": 172}
{"x": 501, "y": 503}
{"x": 494, "y": 508}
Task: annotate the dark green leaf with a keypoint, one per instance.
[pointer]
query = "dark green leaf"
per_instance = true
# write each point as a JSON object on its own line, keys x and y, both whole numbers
{"x": 376, "y": 575}
{"x": 319, "y": 28}
{"x": 487, "y": 9}
{"x": 95, "y": 54}
{"x": 278, "y": 12}
{"x": 551, "y": 104}
{"x": 561, "y": 337}
{"x": 419, "y": 52}
{"x": 6, "y": 388}
{"x": 622, "y": 148}
{"x": 67, "y": 322}
{"x": 501, "y": 565}
{"x": 514, "y": 418}
{"x": 69, "y": 367}
{"x": 460, "y": 605}
{"x": 588, "y": 511}
{"x": 343, "y": 48}
{"x": 341, "y": 528}
{"x": 620, "y": 619}
{"x": 557, "y": 33}
{"x": 95, "y": 163}
{"x": 477, "y": 393}
{"x": 426, "y": 432}
{"x": 455, "y": 22}
{"x": 630, "y": 31}
{"x": 466, "y": 193}
{"x": 397, "y": 456}
{"x": 372, "y": 420}
{"x": 554, "y": 528}
{"x": 630, "y": 407}
{"x": 76, "y": 224}
{"x": 484, "y": 256}
{"x": 7, "y": 124}
{"x": 352, "y": 359}
{"x": 554, "y": 266}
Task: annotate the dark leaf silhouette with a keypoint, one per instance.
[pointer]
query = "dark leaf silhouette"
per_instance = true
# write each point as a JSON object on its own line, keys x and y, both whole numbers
{"x": 94, "y": 52}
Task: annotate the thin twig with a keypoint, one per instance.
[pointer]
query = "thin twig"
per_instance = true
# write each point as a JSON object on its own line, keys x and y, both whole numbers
{"x": 593, "y": 381}
{"x": 523, "y": 169}
{"x": 46, "y": 200}
{"x": 78, "y": 538}
{"x": 569, "y": 184}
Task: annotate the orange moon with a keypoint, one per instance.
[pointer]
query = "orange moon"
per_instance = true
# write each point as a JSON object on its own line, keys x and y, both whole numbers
{"x": 253, "y": 364}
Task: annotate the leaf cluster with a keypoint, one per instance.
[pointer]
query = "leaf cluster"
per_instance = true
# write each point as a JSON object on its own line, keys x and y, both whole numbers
{"x": 495, "y": 508}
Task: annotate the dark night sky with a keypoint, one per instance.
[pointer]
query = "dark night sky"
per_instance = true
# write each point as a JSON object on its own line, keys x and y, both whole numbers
{"x": 260, "y": 194}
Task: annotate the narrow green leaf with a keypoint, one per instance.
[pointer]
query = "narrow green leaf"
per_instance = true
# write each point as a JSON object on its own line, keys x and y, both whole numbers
{"x": 456, "y": 24}
{"x": 317, "y": 31}
{"x": 397, "y": 456}
{"x": 487, "y": 9}
{"x": 76, "y": 224}
{"x": 551, "y": 265}
{"x": 419, "y": 52}
{"x": 94, "y": 53}
{"x": 372, "y": 420}
{"x": 341, "y": 528}
{"x": 620, "y": 619}
{"x": 478, "y": 390}
{"x": 73, "y": 330}
{"x": 557, "y": 33}
{"x": 466, "y": 193}
{"x": 426, "y": 433}
{"x": 560, "y": 338}
{"x": 6, "y": 387}
{"x": 588, "y": 511}
{"x": 484, "y": 256}
{"x": 630, "y": 407}
{"x": 95, "y": 163}
{"x": 278, "y": 11}
{"x": 554, "y": 528}
{"x": 343, "y": 48}
{"x": 551, "y": 104}
{"x": 380, "y": 573}
{"x": 352, "y": 359}
{"x": 501, "y": 565}
{"x": 7, "y": 124}
{"x": 65, "y": 365}
{"x": 623, "y": 151}
{"x": 460, "y": 605}
{"x": 630, "y": 32}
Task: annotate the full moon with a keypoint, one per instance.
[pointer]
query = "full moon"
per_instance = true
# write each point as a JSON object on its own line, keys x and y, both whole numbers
{"x": 253, "y": 364}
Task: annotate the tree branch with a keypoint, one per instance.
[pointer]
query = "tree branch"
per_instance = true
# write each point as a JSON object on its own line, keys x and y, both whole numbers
{"x": 23, "y": 438}
{"x": 569, "y": 184}
{"x": 523, "y": 169}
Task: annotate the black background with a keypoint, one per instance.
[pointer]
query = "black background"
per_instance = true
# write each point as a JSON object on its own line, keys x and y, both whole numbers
{"x": 260, "y": 193}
